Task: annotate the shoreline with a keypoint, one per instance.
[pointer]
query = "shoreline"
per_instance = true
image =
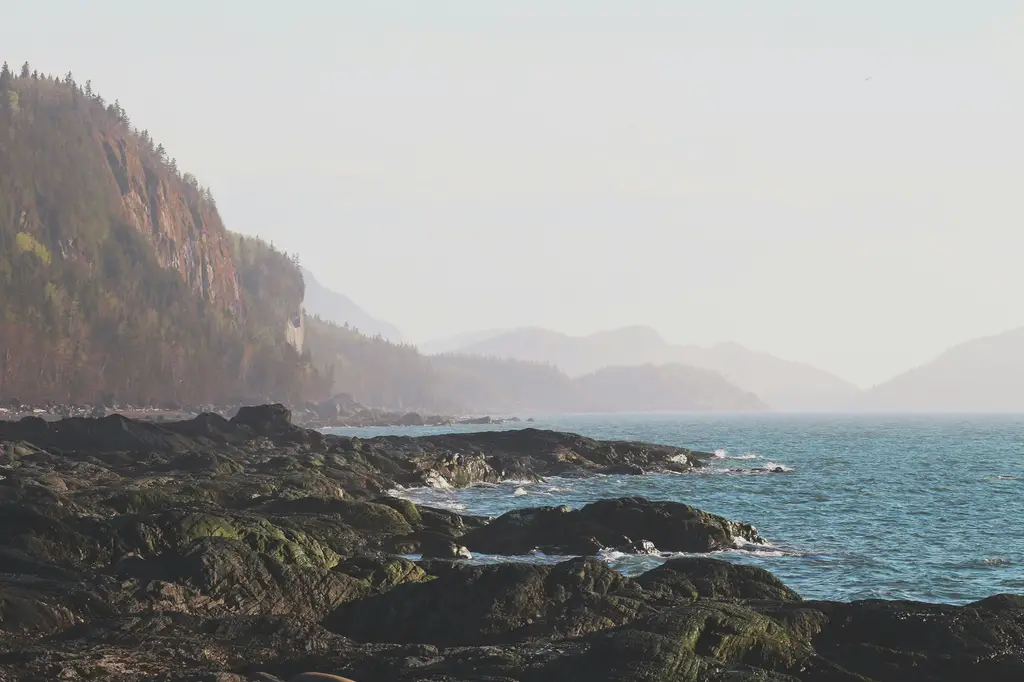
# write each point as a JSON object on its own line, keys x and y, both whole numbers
{"x": 253, "y": 540}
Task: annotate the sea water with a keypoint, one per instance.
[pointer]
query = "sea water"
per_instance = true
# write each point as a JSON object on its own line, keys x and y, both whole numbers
{"x": 894, "y": 507}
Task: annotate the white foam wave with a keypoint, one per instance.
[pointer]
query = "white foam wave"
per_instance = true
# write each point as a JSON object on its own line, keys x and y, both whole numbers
{"x": 520, "y": 492}
{"x": 747, "y": 456}
{"x": 771, "y": 466}
{"x": 721, "y": 454}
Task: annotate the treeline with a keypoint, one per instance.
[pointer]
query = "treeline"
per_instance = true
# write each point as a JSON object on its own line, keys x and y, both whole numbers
{"x": 117, "y": 279}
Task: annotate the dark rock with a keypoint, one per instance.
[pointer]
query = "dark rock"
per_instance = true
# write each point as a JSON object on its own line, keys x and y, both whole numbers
{"x": 694, "y": 578}
{"x": 670, "y": 526}
{"x": 477, "y": 605}
{"x": 264, "y": 419}
{"x": 215, "y": 549}
{"x": 411, "y": 419}
{"x": 436, "y": 546}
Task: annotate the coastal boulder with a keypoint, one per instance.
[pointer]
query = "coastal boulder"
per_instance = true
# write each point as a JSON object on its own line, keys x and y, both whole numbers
{"x": 478, "y": 605}
{"x": 264, "y": 419}
{"x": 702, "y": 578}
{"x": 622, "y": 522}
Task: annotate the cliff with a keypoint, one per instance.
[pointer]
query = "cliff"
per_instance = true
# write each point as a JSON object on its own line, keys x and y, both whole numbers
{"x": 118, "y": 279}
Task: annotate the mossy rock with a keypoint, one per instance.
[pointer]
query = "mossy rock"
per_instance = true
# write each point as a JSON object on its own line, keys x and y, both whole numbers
{"x": 404, "y": 507}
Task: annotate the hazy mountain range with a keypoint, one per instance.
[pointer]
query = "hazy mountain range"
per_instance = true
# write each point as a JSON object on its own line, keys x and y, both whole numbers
{"x": 982, "y": 375}
{"x": 341, "y": 310}
{"x": 782, "y": 384}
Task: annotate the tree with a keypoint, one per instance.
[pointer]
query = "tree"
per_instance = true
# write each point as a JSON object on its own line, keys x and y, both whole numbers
{"x": 5, "y": 78}
{"x": 25, "y": 70}
{"x": 88, "y": 88}
{"x": 35, "y": 75}
{"x": 160, "y": 151}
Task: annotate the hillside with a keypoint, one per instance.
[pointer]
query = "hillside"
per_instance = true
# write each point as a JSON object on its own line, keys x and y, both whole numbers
{"x": 377, "y": 372}
{"x": 983, "y": 375}
{"x": 118, "y": 280}
{"x": 783, "y": 385}
{"x": 341, "y": 310}
{"x": 650, "y": 388}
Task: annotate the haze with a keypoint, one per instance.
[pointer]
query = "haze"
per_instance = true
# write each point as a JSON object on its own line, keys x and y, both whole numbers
{"x": 835, "y": 185}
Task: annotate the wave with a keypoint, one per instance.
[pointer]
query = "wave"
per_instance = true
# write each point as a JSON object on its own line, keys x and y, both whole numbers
{"x": 764, "y": 469}
{"x": 772, "y": 466}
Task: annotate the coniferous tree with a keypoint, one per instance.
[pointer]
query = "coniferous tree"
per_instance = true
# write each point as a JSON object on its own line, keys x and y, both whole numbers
{"x": 35, "y": 75}
{"x": 88, "y": 88}
{"x": 25, "y": 71}
{"x": 5, "y": 78}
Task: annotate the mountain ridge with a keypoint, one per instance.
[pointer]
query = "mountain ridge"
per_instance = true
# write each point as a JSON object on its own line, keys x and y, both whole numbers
{"x": 783, "y": 384}
{"x": 985, "y": 374}
{"x": 341, "y": 310}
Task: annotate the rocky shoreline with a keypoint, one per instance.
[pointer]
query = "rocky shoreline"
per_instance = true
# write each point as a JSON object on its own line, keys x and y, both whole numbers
{"x": 341, "y": 411}
{"x": 253, "y": 549}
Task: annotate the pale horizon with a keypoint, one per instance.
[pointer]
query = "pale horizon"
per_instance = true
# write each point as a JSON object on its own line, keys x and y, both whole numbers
{"x": 830, "y": 185}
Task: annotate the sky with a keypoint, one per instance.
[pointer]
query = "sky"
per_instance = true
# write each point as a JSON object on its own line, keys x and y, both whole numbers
{"x": 832, "y": 182}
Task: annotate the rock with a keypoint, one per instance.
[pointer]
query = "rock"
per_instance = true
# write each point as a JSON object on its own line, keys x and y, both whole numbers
{"x": 215, "y": 549}
{"x": 475, "y": 420}
{"x": 435, "y": 546}
{"x": 265, "y": 419}
{"x": 670, "y": 526}
{"x": 411, "y": 419}
{"x": 319, "y": 677}
{"x": 700, "y": 578}
{"x": 478, "y": 605}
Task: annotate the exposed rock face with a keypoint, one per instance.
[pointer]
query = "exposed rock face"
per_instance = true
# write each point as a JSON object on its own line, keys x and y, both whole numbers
{"x": 621, "y": 523}
{"x": 186, "y": 233}
{"x": 249, "y": 550}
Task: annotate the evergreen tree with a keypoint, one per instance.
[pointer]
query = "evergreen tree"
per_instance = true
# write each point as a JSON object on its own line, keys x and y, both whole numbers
{"x": 88, "y": 88}
{"x": 25, "y": 70}
{"x": 160, "y": 151}
{"x": 35, "y": 75}
{"x": 5, "y": 78}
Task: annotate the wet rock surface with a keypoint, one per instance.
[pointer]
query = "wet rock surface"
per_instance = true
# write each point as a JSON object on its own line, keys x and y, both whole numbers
{"x": 618, "y": 523}
{"x": 250, "y": 549}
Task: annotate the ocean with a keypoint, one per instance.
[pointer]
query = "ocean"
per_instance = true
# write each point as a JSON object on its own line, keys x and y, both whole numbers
{"x": 893, "y": 507}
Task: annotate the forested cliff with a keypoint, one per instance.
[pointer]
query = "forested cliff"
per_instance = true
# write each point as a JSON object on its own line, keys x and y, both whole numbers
{"x": 117, "y": 277}
{"x": 119, "y": 283}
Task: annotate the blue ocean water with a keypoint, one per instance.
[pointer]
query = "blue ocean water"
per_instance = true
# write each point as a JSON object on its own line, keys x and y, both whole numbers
{"x": 915, "y": 507}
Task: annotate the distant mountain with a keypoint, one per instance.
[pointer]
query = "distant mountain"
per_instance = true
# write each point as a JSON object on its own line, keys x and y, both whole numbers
{"x": 379, "y": 373}
{"x": 983, "y": 375}
{"x": 340, "y": 309}
{"x": 452, "y": 344}
{"x": 658, "y": 388}
{"x": 782, "y": 384}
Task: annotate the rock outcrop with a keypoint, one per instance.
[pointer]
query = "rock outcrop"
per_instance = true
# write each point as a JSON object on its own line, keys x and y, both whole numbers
{"x": 618, "y": 523}
{"x": 250, "y": 549}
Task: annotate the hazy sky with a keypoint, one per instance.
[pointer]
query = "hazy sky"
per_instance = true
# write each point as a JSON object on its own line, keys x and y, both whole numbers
{"x": 718, "y": 170}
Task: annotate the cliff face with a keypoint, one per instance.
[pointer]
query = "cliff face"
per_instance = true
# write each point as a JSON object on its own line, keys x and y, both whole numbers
{"x": 118, "y": 279}
{"x": 185, "y": 232}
